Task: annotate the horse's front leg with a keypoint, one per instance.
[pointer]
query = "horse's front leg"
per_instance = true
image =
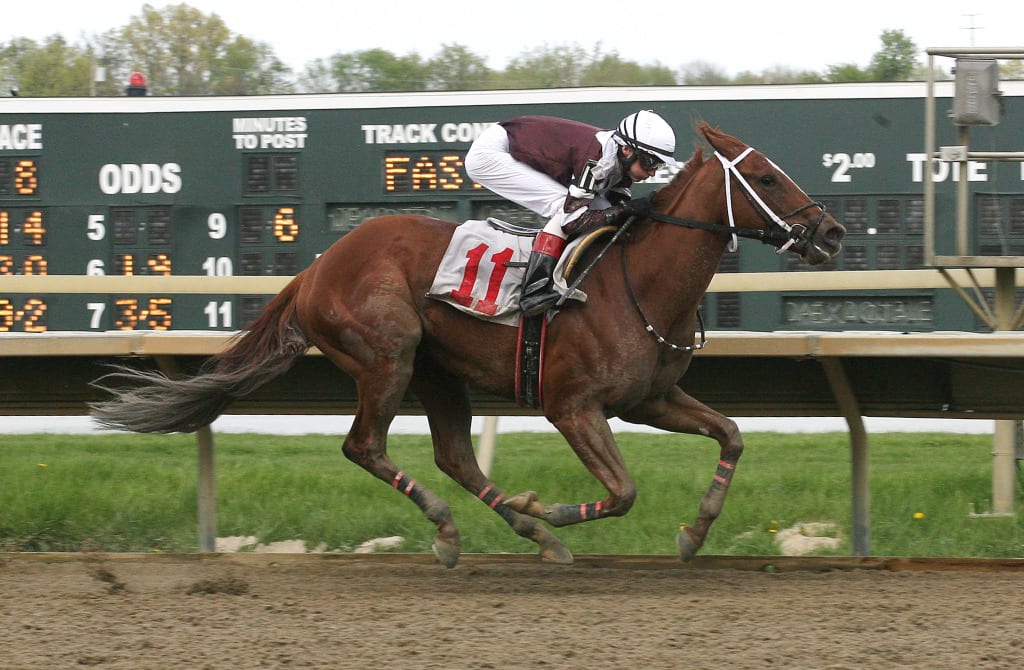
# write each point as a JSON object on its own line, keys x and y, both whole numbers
{"x": 680, "y": 413}
{"x": 588, "y": 433}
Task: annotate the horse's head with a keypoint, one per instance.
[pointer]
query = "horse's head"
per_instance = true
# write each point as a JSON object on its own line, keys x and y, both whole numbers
{"x": 762, "y": 198}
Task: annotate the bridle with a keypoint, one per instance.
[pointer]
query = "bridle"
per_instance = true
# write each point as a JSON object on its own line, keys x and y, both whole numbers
{"x": 776, "y": 231}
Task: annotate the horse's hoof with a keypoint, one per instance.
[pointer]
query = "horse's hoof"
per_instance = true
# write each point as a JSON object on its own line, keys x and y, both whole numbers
{"x": 556, "y": 553}
{"x": 686, "y": 545}
{"x": 447, "y": 552}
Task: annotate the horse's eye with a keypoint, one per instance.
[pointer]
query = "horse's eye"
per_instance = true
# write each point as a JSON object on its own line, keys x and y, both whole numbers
{"x": 767, "y": 180}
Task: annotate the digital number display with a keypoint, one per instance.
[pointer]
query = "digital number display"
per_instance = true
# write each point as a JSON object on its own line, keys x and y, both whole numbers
{"x": 133, "y": 313}
{"x": 151, "y": 264}
{"x": 23, "y": 238}
{"x": 427, "y": 171}
{"x": 23, "y": 314}
{"x": 32, "y": 264}
{"x": 19, "y": 177}
{"x": 268, "y": 224}
{"x": 285, "y": 227}
{"x": 24, "y": 226}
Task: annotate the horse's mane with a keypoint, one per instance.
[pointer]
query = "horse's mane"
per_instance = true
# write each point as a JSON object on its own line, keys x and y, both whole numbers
{"x": 690, "y": 167}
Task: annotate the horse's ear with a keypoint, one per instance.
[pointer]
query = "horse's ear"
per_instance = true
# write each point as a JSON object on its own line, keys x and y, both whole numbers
{"x": 718, "y": 140}
{"x": 709, "y": 133}
{"x": 702, "y": 141}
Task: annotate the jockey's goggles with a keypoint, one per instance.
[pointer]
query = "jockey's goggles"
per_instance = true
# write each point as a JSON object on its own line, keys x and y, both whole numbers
{"x": 649, "y": 161}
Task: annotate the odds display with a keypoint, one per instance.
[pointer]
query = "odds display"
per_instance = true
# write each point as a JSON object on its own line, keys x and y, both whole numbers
{"x": 130, "y": 187}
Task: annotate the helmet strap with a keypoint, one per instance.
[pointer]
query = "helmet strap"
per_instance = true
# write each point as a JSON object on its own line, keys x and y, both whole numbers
{"x": 627, "y": 163}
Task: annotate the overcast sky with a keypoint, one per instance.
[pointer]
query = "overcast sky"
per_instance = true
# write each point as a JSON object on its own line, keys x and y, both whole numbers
{"x": 736, "y": 35}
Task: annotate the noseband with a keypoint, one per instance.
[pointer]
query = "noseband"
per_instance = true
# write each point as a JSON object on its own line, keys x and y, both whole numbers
{"x": 776, "y": 231}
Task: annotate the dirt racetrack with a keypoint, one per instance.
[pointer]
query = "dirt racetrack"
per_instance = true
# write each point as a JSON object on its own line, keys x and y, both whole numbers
{"x": 264, "y": 611}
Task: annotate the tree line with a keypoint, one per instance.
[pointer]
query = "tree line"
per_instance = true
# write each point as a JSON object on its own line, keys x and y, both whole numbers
{"x": 183, "y": 51}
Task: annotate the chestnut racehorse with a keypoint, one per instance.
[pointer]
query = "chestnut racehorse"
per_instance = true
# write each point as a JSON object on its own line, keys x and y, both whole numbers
{"x": 363, "y": 304}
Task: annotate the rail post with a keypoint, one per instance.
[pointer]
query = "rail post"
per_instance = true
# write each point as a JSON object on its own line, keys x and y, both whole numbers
{"x": 859, "y": 458}
{"x": 206, "y": 480}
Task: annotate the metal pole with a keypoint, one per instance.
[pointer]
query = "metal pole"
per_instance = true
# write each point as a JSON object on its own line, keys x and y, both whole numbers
{"x": 1004, "y": 438}
{"x": 207, "y": 483}
{"x": 207, "y": 491}
{"x": 859, "y": 458}
{"x": 488, "y": 441}
{"x": 963, "y": 197}
{"x": 1004, "y": 454}
{"x": 929, "y": 166}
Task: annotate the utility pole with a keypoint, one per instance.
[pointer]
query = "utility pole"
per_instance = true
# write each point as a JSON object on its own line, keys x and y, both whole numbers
{"x": 972, "y": 28}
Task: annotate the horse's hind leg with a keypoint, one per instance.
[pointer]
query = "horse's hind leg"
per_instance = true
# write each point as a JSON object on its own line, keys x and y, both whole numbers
{"x": 381, "y": 384}
{"x": 681, "y": 413}
{"x": 446, "y": 403}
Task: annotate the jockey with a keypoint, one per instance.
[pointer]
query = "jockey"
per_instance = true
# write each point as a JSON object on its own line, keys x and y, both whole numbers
{"x": 575, "y": 175}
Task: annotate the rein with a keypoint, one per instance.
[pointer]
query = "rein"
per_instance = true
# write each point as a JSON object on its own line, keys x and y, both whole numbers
{"x": 623, "y": 231}
{"x": 647, "y": 322}
{"x": 766, "y": 236}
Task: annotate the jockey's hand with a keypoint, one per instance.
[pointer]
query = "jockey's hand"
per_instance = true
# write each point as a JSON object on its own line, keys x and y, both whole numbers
{"x": 591, "y": 219}
{"x": 638, "y": 207}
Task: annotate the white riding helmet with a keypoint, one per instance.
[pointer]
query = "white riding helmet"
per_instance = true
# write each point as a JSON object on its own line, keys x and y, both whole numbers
{"x": 648, "y": 132}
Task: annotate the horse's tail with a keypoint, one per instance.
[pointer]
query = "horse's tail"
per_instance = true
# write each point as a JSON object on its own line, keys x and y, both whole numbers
{"x": 155, "y": 403}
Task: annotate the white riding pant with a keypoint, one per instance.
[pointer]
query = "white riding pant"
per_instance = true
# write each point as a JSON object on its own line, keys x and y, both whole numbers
{"x": 490, "y": 164}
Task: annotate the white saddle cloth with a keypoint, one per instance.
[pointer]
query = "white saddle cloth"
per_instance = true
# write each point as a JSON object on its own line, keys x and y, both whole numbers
{"x": 481, "y": 273}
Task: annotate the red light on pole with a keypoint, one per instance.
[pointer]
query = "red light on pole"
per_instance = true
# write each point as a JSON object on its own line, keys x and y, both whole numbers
{"x": 136, "y": 85}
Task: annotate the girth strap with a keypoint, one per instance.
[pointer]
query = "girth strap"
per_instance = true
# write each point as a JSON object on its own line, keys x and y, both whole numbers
{"x": 530, "y": 360}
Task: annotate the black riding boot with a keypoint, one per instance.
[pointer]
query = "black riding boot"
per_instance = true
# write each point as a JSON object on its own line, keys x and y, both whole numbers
{"x": 538, "y": 296}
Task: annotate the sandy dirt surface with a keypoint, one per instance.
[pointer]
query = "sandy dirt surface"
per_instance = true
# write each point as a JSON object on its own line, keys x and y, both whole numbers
{"x": 219, "y": 612}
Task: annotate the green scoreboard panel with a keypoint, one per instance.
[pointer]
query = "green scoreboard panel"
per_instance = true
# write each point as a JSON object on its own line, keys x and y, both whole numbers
{"x": 262, "y": 185}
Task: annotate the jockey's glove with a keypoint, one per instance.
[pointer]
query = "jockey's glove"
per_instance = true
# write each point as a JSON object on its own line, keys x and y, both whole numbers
{"x": 638, "y": 207}
{"x": 584, "y": 221}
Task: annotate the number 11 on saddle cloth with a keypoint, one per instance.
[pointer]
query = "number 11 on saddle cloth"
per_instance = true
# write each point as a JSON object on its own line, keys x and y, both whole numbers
{"x": 482, "y": 270}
